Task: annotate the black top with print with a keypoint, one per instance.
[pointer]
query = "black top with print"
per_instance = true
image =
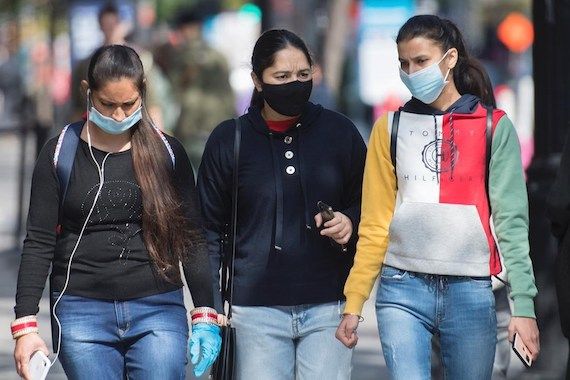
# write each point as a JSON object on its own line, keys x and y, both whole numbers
{"x": 111, "y": 261}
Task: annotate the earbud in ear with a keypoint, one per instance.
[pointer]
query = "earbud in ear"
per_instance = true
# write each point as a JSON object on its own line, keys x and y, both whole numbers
{"x": 88, "y": 98}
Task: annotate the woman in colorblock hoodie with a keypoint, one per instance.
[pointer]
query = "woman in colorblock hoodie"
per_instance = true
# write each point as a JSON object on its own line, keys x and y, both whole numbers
{"x": 436, "y": 180}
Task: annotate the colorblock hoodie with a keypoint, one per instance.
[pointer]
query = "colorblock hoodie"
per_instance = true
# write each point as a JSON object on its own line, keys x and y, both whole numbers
{"x": 435, "y": 218}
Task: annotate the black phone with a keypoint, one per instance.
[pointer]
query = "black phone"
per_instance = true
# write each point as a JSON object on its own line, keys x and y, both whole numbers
{"x": 327, "y": 214}
{"x": 326, "y": 211}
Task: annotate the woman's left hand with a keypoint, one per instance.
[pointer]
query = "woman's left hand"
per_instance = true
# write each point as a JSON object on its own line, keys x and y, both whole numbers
{"x": 205, "y": 344}
{"x": 339, "y": 228}
{"x": 346, "y": 331}
{"x": 527, "y": 329}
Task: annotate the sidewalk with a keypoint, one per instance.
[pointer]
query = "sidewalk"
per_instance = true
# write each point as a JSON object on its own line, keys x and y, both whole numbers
{"x": 9, "y": 259}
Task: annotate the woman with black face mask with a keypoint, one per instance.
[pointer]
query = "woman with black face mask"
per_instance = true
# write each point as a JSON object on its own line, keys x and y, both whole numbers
{"x": 290, "y": 267}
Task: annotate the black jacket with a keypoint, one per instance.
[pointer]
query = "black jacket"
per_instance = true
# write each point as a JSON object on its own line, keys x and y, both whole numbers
{"x": 281, "y": 258}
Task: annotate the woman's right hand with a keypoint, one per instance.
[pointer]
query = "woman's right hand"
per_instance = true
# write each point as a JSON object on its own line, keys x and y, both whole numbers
{"x": 346, "y": 331}
{"x": 26, "y": 345}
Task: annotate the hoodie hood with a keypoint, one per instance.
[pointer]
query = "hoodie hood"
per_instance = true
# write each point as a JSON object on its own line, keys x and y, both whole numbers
{"x": 310, "y": 113}
{"x": 466, "y": 104}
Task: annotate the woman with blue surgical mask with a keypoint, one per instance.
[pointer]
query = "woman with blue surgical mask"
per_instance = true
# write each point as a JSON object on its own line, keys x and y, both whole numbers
{"x": 110, "y": 125}
{"x": 115, "y": 239}
{"x": 442, "y": 174}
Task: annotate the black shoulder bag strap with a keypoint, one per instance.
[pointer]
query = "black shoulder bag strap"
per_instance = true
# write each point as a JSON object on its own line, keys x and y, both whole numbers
{"x": 230, "y": 260}
{"x": 394, "y": 141}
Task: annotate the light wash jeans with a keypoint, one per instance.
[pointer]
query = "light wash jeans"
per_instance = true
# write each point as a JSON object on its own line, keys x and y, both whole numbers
{"x": 143, "y": 338}
{"x": 503, "y": 350}
{"x": 290, "y": 342}
{"x": 412, "y": 307}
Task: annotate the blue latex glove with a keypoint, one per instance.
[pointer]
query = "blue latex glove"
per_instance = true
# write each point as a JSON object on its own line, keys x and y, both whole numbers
{"x": 205, "y": 345}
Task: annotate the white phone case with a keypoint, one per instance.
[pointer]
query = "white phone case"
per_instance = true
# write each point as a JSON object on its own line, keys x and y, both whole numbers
{"x": 522, "y": 351}
{"x": 39, "y": 366}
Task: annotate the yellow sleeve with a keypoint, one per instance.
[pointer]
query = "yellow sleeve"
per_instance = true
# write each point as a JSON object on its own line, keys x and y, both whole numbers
{"x": 378, "y": 202}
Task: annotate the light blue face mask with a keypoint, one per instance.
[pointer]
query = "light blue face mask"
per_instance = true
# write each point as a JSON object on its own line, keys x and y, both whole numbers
{"x": 426, "y": 84}
{"x": 110, "y": 125}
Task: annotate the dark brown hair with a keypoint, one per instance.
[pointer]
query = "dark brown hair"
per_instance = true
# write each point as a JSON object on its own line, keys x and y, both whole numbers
{"x": 469, "y": 75}
{"x": 166, "y": 230}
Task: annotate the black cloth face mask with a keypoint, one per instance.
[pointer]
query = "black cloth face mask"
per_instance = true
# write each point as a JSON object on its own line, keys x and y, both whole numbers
{"x": 288, "y": 99}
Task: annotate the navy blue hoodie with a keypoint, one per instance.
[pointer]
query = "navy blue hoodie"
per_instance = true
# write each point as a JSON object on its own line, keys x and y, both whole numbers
{"x": 281, "y": 258}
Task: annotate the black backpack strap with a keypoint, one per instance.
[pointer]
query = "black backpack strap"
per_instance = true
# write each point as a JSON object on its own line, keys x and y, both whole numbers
{"x": 231, "y": 259}
{"x": 488, "y": 146}
{"x": 63, "y": 159}
{"x": 394, "y": 140}
{"x": 488, "y": 151}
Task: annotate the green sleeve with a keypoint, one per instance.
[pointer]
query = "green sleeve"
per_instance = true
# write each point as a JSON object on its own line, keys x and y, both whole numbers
{"x": 509, "y": 202}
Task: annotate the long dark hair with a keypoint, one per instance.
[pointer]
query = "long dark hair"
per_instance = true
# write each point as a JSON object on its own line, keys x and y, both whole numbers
{"x": 469, "y": 75}
{"x": 166, "y": 230}
{"x": 263, "y": 56}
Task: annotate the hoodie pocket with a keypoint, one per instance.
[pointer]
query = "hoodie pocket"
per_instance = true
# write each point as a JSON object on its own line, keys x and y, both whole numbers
{"x": 438, "y": 238}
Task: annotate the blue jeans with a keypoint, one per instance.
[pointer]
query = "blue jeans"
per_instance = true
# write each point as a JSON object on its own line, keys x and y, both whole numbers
{"x": 290, "y": 342}
{"x": 411, "y": 307}
{"x": 143, "y": 338}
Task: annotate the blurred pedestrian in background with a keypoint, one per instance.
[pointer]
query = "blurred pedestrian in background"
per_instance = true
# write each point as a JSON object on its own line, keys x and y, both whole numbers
{"x": 321, "y": 93}
{"x": 435, "y": 174}
{"x": 12, "y": 89}
{"x": 114, "y": 233}
{"x": 115, "y": 32}
{"x": 289, "y": 268}
{"x": 199, "y": 76}
{"x": 558, "y": 211}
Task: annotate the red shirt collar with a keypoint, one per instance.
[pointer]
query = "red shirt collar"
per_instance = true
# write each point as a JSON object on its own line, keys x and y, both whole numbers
{"x": 281, "y": 125}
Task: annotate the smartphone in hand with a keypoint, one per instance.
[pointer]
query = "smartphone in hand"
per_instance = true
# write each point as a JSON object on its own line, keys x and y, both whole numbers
{"x": 38, "y": 366}
{"x": 327, "y": 214}
{"x": 522, "y": 351}
{"x": 326, "y": 211}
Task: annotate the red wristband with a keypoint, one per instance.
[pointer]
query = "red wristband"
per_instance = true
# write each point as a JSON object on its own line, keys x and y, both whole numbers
{"x": 24, "y": 325}
{"x": 204, "y": 315}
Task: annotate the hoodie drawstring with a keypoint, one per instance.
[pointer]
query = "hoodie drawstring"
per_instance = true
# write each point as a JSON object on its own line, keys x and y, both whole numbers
{"x": 438, "y": 156}
{"x": 452, "y": 147}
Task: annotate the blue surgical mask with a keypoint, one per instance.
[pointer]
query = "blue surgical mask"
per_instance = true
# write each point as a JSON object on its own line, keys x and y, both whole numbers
{"x": 426, "y": 84}
{"x": 110, "y": 125}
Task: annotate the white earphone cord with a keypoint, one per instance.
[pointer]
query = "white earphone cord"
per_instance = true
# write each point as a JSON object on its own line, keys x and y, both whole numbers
{"x": 101, "y": 171}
